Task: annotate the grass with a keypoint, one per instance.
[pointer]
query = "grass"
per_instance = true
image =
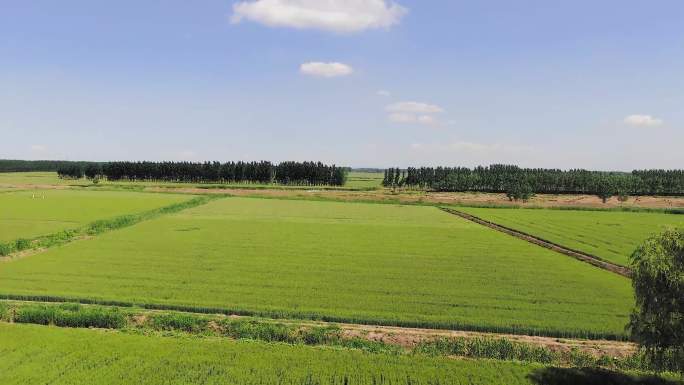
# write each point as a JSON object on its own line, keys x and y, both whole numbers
{"x": 37, "y": 354}
{"x": 75, "y": 356}
{"x": 364, "y": 179}
{"x": 37, "y": 179}
{"x": 29, "y": 214}
{"x": 71, "y": 315}
{"x": 98, "y": 227}
{"x": 609, "y": 235}
{"x": 165, "y": 323}
{"x": 343, "y": 262}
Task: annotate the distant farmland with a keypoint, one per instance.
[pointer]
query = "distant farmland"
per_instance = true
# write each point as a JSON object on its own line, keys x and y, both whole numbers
{"x": 367, "y": 263}
{"x": 28, "y": 214}
{"x": 610, "y": 235}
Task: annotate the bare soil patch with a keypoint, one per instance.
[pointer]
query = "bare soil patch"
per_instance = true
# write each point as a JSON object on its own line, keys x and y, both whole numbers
{"x": 409, "y": 338}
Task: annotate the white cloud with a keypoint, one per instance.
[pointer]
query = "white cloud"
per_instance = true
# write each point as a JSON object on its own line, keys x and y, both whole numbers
{"x": 402, "y": 118}
{"x": 643, "y": 121}
{"x": 38, "y": 147}
{"x": 413, "y": 112}
{"x": 343, "y": 16}
{"x": 427, "y": 120}
{"x": 325, "y": 70}
{"x": 414, "y": 108}
{"x": 384, "y": 93}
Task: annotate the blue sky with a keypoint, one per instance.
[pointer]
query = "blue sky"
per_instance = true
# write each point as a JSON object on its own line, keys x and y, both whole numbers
{"x": 591, "y": 84}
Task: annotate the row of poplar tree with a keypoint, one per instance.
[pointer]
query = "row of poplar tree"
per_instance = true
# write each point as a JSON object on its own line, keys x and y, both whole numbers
{"x": 287, "y": 173}
{"x": 12, "y": 165}
{"x": 504, "y": 178}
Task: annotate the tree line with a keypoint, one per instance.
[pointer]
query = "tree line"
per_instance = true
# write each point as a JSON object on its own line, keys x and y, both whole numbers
{"x": 286, "y": 173}
{"x": 515, "y": 180}
{"x": 11, "y": 165}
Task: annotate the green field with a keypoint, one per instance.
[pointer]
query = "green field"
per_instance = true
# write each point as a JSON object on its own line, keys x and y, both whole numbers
{"x": 28, "y": 214}
{"x": 353, "y": 262}
{"x": 367, "y": 180}
{"x": 36, "y": 179}
{"x": 610, "y": 235}
{"x": 41, "y": 355}
{"x": 38, "y": 354}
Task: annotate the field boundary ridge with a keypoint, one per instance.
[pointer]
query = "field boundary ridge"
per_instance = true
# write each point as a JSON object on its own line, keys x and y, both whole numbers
{"x": 579, "y": 255}
{"x": 319, "y": 317}
{"x": 367, "y": 337}
{"x": 21, "y": 247}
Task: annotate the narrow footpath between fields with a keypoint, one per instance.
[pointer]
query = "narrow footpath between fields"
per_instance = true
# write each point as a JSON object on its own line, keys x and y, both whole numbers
{"x": 404, "y": 337}
{"x": 584, "y": 257}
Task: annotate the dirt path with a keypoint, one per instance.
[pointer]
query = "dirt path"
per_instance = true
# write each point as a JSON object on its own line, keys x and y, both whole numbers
{"x": 408, "y": 337}
{"x": 411, "y": 337}
{"x": 584, "y": 257}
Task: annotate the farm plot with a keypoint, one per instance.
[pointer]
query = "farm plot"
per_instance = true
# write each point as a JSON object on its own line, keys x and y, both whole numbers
{"x": 25, "y": 179}
{"x": 364, "y": 180}
{"x": 28, "y": 214}
{"x": 77, "y": 356}
{"x": 610, "y": 235}
{"x": 345, "y": 262}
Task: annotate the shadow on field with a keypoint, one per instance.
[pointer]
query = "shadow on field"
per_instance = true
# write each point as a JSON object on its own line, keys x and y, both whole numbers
{"x": 592, "y": 376}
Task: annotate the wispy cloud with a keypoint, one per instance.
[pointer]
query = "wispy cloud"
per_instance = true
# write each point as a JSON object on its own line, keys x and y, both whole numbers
{"x": 326, "y": 70}
{"x": 643, "y": 121}
{"x": 414, "y": 108}
{"x": 384, "y": 93}
{"x": 413, "y": 112}
{"x": 343, "y": 16}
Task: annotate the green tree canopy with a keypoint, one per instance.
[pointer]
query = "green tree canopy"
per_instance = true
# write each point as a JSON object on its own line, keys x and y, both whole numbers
{"x": 657, "y": 322}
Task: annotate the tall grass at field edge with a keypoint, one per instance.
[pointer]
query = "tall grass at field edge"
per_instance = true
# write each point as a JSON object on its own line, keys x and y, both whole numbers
{"x": 74, "y": 315}
{"x": 281, "y": 314}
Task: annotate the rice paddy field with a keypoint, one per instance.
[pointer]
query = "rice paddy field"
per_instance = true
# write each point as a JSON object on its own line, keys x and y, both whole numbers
{"x": 610, "y": 235}
{"x": 351, "y": 262}
{"x": 297, "y": 259}
{"x": 36, "y": 179}
{"x": 38, "y": 354}
{"x": 28, "y": 214}
{"x": 366, "y": 180}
